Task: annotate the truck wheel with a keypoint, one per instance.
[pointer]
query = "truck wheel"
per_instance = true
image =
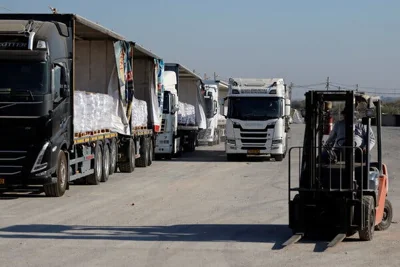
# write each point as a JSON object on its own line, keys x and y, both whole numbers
{"x": 367, "y": 233}
{"x": 192, "y": 144}
{"x": 231, "y": 157}
{"x": 113, "y": 156}
{"x": 58, "y": 189}
{"x": 106, "y": 164}
{"x": 218, "y": 137}
{"x": 278, "y": 157}
{"x": 151, "y": 152}
{"x": 129, "y": 166}
{"x": 144, "y": 153}
{"x": 95, "y": 178}
{"x": 387, "y": 217}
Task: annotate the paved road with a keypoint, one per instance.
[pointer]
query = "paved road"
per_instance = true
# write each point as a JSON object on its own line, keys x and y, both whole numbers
{"x": 196, "y": 211}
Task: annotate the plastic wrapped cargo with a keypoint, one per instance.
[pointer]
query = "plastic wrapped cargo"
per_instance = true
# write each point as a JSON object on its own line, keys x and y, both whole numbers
{"x": 186, "y": 114}
{"x": 139, "y": 113}
{"x": 93, "y": 111}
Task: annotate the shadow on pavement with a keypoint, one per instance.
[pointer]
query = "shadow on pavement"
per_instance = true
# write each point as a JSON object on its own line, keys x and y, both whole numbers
{"x": 184, "y": 232}
{"x": 273, "y": 233}
{"x": 213, "y": 156}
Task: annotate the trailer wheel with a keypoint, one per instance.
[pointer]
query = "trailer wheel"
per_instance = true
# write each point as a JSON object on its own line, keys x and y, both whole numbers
{"x": 387, "y": 217}
{"x": 367, "y": 233}
{"x": 151, "y": 152}
{"x": 144, "y": 153}
{"x": 58, "y": 189}
{"x": 106, "y": 164}
{"x": 192, "y": 143}
{"x": 113, "y": 156}
{"x": 95, "y": 178}
{"x": 129, "y": 166}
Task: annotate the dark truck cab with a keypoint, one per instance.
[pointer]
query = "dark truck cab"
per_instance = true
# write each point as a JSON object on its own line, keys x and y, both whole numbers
{"x": 35, "y": 106}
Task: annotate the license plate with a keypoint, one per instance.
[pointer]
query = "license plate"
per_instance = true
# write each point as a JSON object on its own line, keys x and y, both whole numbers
{"x": 253, "y": 151}
{"x": 2, "y": 181}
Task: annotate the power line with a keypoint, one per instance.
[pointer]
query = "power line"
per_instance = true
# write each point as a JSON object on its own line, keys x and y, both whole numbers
{"x": 2, "y": 7}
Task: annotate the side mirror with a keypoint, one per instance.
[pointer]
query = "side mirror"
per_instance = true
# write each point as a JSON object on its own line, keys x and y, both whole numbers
{"x": 63, "y": 76}
{"x": 215, "y": 107}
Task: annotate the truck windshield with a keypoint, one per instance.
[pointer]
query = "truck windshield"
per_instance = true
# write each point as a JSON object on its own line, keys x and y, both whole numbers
{"x": 20, "y": 76}
{"x": 209, "y": 107}
{"x": 254, "y": 108}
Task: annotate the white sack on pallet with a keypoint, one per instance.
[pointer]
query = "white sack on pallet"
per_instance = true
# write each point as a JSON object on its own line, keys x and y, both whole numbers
{"x": 186, "y": 114}
{"x": 93, "y": 111}
{"x": 139, "y": 113}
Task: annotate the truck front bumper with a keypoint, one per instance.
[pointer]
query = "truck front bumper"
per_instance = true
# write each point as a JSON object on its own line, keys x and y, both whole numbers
{"x": 41, "y": 178}
{"x": 234, "y": 148}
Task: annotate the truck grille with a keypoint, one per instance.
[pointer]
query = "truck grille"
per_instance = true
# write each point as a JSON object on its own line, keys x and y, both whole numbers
{"x": 12, "y": 162}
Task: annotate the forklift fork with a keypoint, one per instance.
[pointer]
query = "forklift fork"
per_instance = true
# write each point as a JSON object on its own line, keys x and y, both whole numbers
{"x": 295, "y": 238}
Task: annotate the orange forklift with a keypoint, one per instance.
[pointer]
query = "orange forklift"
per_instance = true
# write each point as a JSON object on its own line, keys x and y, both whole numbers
{"x": 337, "y": 196}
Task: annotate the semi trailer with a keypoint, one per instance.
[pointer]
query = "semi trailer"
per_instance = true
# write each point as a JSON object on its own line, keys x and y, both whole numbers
{"x": 183, "y": 112}
{"x": 50, "y": 61}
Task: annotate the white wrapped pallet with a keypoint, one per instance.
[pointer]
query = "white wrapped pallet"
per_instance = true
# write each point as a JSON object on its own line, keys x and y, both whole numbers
{"x": 139, "y": 113}
{"x": 186, "y": 114}
{"x": 93, "y": 111}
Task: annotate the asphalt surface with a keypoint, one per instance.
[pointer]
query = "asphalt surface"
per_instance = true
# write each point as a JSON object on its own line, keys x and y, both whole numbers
{"x": 195, "y": 211}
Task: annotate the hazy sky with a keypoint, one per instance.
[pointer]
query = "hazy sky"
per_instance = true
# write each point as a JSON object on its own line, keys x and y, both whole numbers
{"x": 301, "y": 41}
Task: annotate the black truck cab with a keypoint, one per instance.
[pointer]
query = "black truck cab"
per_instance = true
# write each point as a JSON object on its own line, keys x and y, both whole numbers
{"x": 35, "y": 106}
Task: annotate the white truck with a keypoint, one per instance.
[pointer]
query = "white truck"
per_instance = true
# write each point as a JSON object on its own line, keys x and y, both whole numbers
{"x": 183, "y": 112}
{"x": 258, "y": 118}
{"x": 212, "y": 134}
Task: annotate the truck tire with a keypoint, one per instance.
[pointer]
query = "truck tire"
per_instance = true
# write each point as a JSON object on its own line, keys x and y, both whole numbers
{"x": 231, "y": 157}
{"x": 113, "y": 156}
{"x": 129, "y": 166}
{"x": 151, "y": 152}
{"x": 95, "y": 178}
{"x": 106, "y": 164}
{"x": 144, "y": 153}
{"x": 278, "y": 157}
{"x": 58, "y": 189}
{"x": 387, "y": 217}
{"x": 218, "y": 137}
{"x": 367, "y": 233}
{"x": 192, "y": 143}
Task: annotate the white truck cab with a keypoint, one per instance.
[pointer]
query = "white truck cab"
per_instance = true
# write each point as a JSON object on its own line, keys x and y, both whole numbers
{"x": 211, "y": 134}
{"x": 168, "y": 141}
{"x": 257, "y": 119}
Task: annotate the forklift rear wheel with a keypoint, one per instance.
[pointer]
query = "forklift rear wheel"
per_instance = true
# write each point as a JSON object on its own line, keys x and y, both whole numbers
{"x": 387, "y": 217}
{"x": 95, "y": 178}
{"x": 367, "y": 233}
{"x": 58, "y": 189}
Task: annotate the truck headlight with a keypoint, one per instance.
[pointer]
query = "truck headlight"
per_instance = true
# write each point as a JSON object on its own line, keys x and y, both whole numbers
{"x": 277, "y": 141}
{"x": 231, "y": 141}
{"x": 38, "y": 166}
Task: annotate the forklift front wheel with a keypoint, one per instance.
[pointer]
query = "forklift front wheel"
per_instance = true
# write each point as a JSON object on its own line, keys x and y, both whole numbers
{"x": 367, "y": 233}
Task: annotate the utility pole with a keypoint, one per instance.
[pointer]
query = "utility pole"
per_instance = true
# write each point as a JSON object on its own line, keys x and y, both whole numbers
{"x": 327, "y": 84}
{"x": 215, "y": 76}
{"x": 357, "y": 87}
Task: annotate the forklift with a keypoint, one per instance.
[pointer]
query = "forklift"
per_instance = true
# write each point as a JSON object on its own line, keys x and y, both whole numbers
{"x": 339, "y": 195}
